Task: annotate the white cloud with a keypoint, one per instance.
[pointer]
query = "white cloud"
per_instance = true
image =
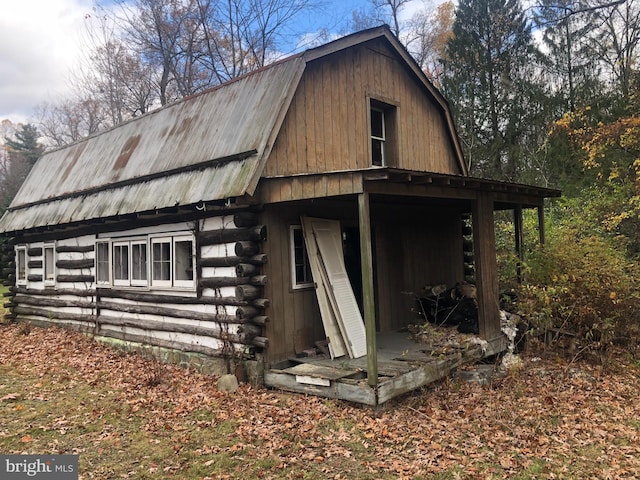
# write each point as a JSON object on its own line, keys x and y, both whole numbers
{"x": 39, "y": 44}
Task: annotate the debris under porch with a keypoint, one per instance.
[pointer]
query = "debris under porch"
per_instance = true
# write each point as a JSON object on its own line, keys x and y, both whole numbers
{"x": 404, "y": 364}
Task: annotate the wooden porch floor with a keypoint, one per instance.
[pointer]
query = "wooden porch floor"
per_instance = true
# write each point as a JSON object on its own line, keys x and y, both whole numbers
{"x": 403, "y": 365}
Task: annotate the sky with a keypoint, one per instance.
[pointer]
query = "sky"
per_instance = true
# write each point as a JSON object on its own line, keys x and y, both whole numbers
{"x": 40, "y": 43}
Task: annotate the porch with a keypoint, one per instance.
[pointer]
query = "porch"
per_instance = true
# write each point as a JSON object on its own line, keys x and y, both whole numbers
{"x": 403, "y": 365}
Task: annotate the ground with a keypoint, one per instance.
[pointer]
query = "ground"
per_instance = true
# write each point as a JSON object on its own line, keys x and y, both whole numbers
{"x": 131, "y": 417}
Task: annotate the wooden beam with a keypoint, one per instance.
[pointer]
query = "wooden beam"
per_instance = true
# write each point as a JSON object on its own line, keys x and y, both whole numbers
{"x": 519, "y": 241}
{"x": 368, "y": 298}
{"x": 484, "y": 241}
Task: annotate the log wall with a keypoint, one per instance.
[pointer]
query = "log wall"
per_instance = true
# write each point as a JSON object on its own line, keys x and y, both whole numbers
{"x": 222, "y": 316}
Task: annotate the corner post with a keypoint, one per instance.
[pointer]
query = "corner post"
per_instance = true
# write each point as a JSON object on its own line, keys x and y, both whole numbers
{"x": 484, "y": 244}
{"x": 368, "y": 298}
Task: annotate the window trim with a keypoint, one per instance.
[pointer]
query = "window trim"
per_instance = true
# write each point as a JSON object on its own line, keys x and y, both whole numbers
{"x": 178, "y": 282}
{"x": 382, "y": 140}
{"x": 97, "y": 263}
{"x": 295, "y": 283}
{"x": 22, "y": 279}
{"x": 121, "y": 282}
{"x": 139, "y": 282}
{"x": 163, "y": 283}
{"x": 49, "y": 278}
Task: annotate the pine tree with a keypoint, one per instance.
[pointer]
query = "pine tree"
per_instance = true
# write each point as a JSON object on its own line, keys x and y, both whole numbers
{"x": 491, "y": 72}
{"x": 22, "y": 153}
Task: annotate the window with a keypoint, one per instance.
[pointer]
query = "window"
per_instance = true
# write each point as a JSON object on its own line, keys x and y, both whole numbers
{"x": 21, "y": 265}
{"x": 121, "y": 263}
{"x": 49, "y": 265}
{"x": 163, "y": 262}
{"x": 378, "y": 137}
{"x": 183, "y": 261}
{"x": 103, "y": 272}
{"x": 382, "y": 117}
{"x": 300, "y": 269}
{"x": 139, "y": 262}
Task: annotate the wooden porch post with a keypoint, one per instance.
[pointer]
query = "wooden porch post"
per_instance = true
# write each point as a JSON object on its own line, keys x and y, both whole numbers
{"x": 368, "y": 298}
{"x": 484, "y": 244}
{"x": 519, "y": 234}
{"x": 541, "y": 231}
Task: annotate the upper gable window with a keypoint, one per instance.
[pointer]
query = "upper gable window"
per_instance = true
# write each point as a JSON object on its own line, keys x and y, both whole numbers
{"x": 382, "y": 128}
{"x": 378, "y": 138}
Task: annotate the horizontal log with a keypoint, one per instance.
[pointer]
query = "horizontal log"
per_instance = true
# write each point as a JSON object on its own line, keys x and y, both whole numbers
{"x": 34, "y": 251}
{"x": 34, "y": 278}
{"x": 88, "y": 292}
{"x": 34, "y": 264}
{"x": 246, "y": 219}
{"x": 8, "y": 283}
{"x": 247, "y": 270}
{"x": 74, "y": 248}
{"x": 8, "y": 293}
{"x": 227, "y": 235}
{"x": 158, "y": 342}
{"x": 247, "y": 249}
{"x": 248, "y": 292}
{"x": 219, "y": 282}
{"x": 262, "y": 342}
{"x": 149, "y": 309}
{"x": 260, "y": 320}
{"x": 232, "y": 261}
{"x": 261, "y": 302}
{"x": 8, "y": 305}
{"x": 75, "y": 264}
{"x": 50, "y": 315}
{"x": 214, "y": 330}
{"x": 75, "y": 278}
{"x": 175, "y": 299}
{"x": 246, "y": 312}
{"x": 42, "y": 301}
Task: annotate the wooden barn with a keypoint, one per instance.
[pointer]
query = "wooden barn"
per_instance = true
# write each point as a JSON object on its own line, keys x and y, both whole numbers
{"x": 284, "y": 221}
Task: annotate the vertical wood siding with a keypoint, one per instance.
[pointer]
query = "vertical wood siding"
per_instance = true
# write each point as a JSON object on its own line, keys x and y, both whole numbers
{"x": 327, "y": 126}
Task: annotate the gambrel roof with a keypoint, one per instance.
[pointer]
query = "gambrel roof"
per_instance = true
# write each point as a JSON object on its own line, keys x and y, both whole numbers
{"x": 208, "y": 147}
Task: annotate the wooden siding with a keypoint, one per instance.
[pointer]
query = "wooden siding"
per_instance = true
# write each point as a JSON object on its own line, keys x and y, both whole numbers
{"x": 327, "y": 126}
{"x": 414, "y": 246}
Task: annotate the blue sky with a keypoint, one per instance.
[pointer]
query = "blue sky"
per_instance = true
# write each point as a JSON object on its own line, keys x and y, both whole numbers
{"x": 40, "y": 43}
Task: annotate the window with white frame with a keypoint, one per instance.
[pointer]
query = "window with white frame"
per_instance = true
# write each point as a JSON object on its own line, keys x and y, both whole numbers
{"x": 49, "y": 264}
{"x": 378, "y": 137}
{"x": 21, "y": 265}
{"x": 103, "y": 270}
{"x": 121, "y": 264}
{"x": 139, "y": 262}
{"x": 382, "y": 123}
{"x": 161, "y": 261}
{"x": 183, "y": 261}
{"x": 149, "y": 261}
{"x": 300, "y": 268}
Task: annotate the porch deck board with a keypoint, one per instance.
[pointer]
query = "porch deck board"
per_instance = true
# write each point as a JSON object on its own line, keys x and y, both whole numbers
{"x": 403, "y": 365}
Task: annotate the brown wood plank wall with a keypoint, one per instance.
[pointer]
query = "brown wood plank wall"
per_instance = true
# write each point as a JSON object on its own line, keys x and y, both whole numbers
{"x": 326, "y": 128}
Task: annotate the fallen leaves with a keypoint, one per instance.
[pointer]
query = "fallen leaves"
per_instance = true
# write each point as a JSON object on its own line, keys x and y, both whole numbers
{"x": 553, "y": 420}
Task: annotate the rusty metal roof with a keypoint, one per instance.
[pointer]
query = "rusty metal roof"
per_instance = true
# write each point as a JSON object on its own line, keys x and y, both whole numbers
{"x": 207, "y": 147}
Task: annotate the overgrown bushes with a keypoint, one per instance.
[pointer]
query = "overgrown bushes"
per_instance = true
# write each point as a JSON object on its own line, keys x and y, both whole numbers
{"x": 583, "y": 280}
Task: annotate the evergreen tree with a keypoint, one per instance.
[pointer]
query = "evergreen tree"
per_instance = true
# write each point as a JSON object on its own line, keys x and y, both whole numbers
{"x": 22, "y": 153}
{"x": 492, "y": 78}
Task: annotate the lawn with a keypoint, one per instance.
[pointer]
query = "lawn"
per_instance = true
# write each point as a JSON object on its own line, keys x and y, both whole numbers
{"x": 130, "y": 417}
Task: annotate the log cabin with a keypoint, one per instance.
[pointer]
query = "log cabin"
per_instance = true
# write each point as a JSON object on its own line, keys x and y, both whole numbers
{"x": 274, "y": 222}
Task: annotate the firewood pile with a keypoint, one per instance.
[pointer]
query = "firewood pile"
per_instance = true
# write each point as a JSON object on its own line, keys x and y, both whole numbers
{"x": 450, "y": 306}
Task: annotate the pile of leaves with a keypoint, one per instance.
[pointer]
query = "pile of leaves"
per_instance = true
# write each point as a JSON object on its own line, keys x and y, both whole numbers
{"x": 131, "y": 417}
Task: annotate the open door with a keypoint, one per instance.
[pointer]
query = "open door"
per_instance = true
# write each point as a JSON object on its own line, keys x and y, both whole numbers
{"x": 324, "y": 246}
